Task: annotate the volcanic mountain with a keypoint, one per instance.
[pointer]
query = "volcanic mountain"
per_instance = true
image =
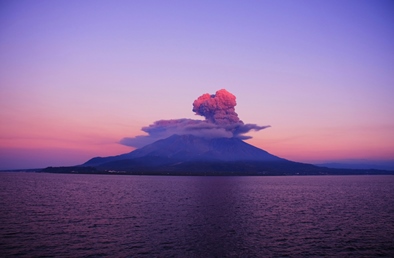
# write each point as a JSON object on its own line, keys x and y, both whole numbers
{"x": 185, "y": 153}
{"x": 186, "y": 148}
{"x": 191, "y": 154}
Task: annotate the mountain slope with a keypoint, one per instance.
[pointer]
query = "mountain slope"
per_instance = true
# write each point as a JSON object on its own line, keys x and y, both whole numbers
{"x": 185, "y": 148}
{"x": 192, "y": 155}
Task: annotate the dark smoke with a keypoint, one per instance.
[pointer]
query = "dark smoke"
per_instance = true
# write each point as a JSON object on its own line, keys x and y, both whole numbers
{"x": 220, "y": 121}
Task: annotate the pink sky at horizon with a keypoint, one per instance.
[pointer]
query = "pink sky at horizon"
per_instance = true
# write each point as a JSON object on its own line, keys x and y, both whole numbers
{"x": 77, "y": 77}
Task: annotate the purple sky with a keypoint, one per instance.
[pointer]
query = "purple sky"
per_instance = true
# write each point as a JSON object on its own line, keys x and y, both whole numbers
{"x": 76, "y": 77}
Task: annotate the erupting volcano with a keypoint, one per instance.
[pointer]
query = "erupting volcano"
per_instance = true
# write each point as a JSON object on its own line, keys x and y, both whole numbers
{"x": 213, "y": 146}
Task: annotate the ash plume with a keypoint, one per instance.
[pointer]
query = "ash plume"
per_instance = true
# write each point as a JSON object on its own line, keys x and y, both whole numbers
{"x": 221, "y": 120}
{"x": 218, "y": 108}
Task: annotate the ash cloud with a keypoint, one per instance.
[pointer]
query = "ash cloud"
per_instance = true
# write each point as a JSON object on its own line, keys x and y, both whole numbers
{"x": 221, "y": 120}
{"x": 218, "y": 108}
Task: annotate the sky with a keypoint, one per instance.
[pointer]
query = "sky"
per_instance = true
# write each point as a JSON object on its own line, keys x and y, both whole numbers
{"x": 77, "y": 77}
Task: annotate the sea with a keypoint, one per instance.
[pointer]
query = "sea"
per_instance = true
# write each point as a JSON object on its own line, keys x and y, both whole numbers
{"x": 73, "y": 215}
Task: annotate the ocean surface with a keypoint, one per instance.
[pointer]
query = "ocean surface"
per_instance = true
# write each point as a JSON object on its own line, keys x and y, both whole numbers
{"x": 65, "y": 215}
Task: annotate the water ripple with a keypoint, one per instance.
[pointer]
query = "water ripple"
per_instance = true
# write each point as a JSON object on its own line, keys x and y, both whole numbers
{"x": 52, "y": 215}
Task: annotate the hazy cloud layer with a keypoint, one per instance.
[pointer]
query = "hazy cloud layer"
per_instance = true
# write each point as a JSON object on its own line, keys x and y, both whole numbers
{"x": 220, "y": 121}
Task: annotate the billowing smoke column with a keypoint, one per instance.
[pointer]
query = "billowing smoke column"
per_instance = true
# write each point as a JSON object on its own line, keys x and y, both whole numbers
{"x": 220, "y": 121}
{"x": 218, "y": 108}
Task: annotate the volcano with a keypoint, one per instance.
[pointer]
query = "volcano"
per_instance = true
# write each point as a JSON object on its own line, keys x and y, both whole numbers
{"x": 191, "y": 149}
{"x": 186, "y": 148}
{"x": 193, "y": 155}
{"x": 189, "y": 154}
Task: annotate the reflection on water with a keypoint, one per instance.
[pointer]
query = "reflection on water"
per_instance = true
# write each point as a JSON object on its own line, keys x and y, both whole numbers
{"x": 103, "y": 215}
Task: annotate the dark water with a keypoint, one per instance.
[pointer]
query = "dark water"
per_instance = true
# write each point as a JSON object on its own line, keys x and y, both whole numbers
{"x": 64, "y": 215}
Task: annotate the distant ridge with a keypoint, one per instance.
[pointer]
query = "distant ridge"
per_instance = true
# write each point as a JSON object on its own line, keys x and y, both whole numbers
{"x": 380, "y": 165}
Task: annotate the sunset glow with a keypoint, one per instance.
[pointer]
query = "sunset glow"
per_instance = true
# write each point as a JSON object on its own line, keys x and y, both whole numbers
{"x": 77, "y": 77}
